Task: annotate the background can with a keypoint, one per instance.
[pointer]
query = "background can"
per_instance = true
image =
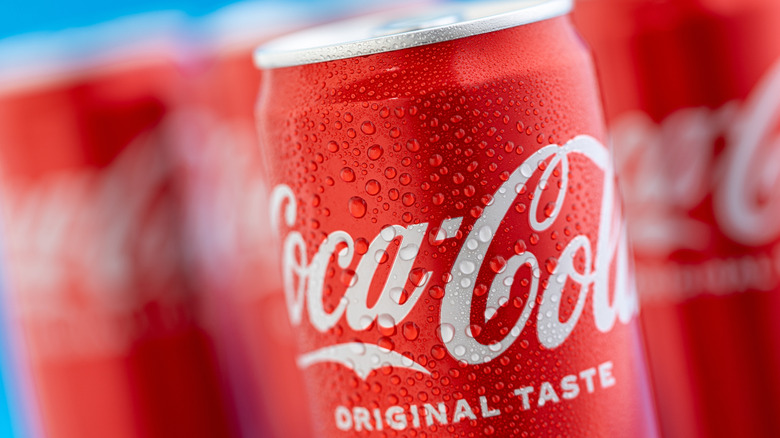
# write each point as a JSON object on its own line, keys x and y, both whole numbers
{"x": 93, "y": 209}
{"x": 452, "y": 256}
{"x": 691, "y": 93}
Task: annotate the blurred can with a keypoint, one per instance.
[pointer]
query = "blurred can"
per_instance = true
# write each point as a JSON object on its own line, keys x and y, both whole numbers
{"x": 693, "y": 96}
{"x": 452, "y": 246}
{"x": 92, "y": 218}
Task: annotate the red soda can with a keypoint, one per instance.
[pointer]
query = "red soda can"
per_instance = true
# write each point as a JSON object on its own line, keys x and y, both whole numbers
{"x": 452, "y": 255}
{"x": 693, "y": 98}
{"x": 92, "y": 219}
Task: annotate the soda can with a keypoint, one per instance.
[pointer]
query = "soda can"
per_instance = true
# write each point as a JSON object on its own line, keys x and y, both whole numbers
{"x": 92, "y": 219}
{"x": 691, "y": 93}
{"x": 453, "y": 253}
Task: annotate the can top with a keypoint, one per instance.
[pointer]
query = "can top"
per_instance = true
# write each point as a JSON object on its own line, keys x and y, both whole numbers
{"x": 397, "y": 30}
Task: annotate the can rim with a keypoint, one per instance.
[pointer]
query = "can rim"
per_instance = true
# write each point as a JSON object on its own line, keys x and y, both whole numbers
{"x": 334, "y": 41}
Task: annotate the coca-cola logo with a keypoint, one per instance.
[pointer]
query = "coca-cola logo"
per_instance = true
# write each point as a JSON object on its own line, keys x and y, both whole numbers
{"x": 304, "y": 278}
{"x": 670, "y": 169}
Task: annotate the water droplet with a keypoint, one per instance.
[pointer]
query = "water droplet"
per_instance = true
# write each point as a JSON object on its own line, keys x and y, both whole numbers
{"x": 438, "y": 352}
{"x": 397, "y": 294}
{"x": 368, "y": 128}
{"x": 361, "y": 245}
{"x": 358, "y": 348}
{"x": 460, "y": 350}
{"x": 386, "y": 343}
{"x": 467, "y": 267}
{"x": 348, "y": 277}
{"x": 497, "y": 264}
{"x": 333, "y": 146}
{"x": 390, "y": 172}
{"x": 550, "y": 265}
{"x": 357, "y": 206}
{"x": 438, "y": 198}
{"x": 435, "y": 160}
{"x": 436, "y": 292}
{"x": 519, "y": 247}
{"x": 485, "y": 234}
{"x": 408, "y": 199}
{"x": 381, "y": 256}
{"x": 410, "y": 330}
{"x": 413, "y": 145}
{"x": 385, "y": 320}
{"x": 375, "y": 151}
{"x": 388, "y": 234}
{"x": 409, "y": 252}
{"x": 418, "y": 276}
{"x": 549, "y": 209}
{"x": 373, "y": 187}
{"x": 446, "y": 332}
{"x": 347, "y": 174}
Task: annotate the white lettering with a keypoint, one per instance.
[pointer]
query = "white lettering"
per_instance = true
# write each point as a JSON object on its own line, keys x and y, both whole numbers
{"x": 396, "y": 418}
{"x": 570, "y": 387}
{"x": 547, "y": 393}
{"x": 605, "y": 375}
{"x": 587, "y": 375}
{"x": 462, "y": 411}
{"x": 485, "y": 409}
{"x": 523, "y": 392}
{"x": 440, "y": 413}
{"x": 343, "y": 418}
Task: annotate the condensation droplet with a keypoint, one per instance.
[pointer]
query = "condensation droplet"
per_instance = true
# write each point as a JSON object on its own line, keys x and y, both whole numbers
{"x": 375, "y": 152}
{"x": 347, "y": 174}
{"x": 485, "y": 234}
{"x": 373, "y": 187}
{"x": 410, "y": 330}
{"x": 357, "y": 206}
{"x": 467, "y": 267}
{"x": 446, "y": 332}
{"x": 385, "y": 320}
{"x": 367, "y": 128}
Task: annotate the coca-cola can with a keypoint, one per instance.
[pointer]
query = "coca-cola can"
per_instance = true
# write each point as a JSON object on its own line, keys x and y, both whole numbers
{"x": 453, "y": 253}
{"x": 92, "y": 230}
{"x": 692, "y": 95}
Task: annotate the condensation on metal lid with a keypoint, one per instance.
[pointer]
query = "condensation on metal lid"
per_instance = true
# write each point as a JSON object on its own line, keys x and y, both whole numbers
{"x": 401, "y": 30}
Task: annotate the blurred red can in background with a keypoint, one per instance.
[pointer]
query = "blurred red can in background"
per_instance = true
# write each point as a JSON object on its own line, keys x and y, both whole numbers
{"x": 228, "y": 226}
{"x": 693, "y": 97}
{"x": 452, "y": 254}
{"x": 92, "y": 203}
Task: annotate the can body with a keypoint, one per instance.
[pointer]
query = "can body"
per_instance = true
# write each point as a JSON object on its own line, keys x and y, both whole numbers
{"x": 451, "y": 253}
{"x": 92, "y": 218}
{"x": 692, "y": 98}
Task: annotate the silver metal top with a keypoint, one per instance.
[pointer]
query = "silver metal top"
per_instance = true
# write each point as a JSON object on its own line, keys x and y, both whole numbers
{"x": 401, "y": 30}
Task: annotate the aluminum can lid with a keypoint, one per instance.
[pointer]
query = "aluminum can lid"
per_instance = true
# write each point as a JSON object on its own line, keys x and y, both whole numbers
{"x": 388, "y": 31}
